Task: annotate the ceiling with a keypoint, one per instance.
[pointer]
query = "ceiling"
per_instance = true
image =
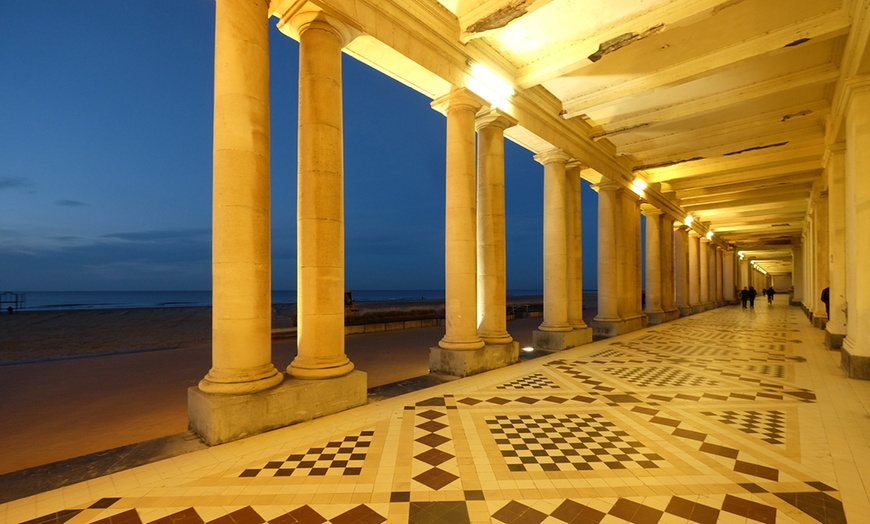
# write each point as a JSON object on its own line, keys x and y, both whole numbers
{"x": 721, "y": 106}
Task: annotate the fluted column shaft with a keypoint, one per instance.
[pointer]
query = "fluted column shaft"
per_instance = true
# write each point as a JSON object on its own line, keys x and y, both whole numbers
{"x": 653, "y": 260}
{"x": 728, "y": 272}
{"x": 460, "y": 249}
{"x": 555, "y": 242}
{"x": 491, "y": 280}
{"x": 608, "y": 283}
{"x": 681, "y": 267}
{"x": 573, "y": 210}
{"x": 822, "y": 264}
{"x": 694, "y": 270}
{"x": 241, "y": 251}
{"x": 631, "y": 292}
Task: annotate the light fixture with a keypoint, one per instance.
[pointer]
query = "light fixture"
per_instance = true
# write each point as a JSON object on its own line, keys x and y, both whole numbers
{"x": 638, "y": 185}
{"x": 488, "y": 84}
{"x": 689, "y": 220}
{"x": 528, "y": 349}
{"x": 709, "y": 235}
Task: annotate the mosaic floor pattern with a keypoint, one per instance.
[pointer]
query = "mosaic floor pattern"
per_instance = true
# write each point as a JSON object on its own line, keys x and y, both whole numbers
{"x": 711, "y": 418}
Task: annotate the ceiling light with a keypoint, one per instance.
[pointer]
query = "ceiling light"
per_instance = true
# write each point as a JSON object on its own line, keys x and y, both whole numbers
{"x": 689, "y": 220}
{"x": 709, "y": 235}
{"x": 638, "y": 185}
{"x": 488, "y": 84}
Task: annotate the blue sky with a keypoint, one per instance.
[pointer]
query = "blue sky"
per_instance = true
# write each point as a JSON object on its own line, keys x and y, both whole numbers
{"x": 105, "y": 159}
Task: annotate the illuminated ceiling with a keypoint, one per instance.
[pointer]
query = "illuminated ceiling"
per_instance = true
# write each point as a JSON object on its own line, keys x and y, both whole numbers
{"x": 723, "y": 106}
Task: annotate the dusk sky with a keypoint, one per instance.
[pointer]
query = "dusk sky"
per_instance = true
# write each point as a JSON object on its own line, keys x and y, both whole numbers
{"x": 106, "y": 159}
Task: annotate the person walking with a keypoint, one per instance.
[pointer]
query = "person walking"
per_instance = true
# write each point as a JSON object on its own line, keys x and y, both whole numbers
{"x": 752, "y": 294}
{"x": 744, "y": 296}
{"x": 770, "y": 293}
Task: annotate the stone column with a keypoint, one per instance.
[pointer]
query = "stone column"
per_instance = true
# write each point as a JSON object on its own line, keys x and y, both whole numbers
{"x": 695, "y": 272}
{"x": 653, "y": 309}
{"x": 491, "y": 279}
{"x": 500, "y": 347}
{"x": 241, "y": 256}
{"x": 552, "y": 334}
{"x": 668, "y": 283}
{"x": 681, "y": 269}
{"x": 632, "y": 308}
{"x": 835, "y": 330}
{"x": 574, "y": 206}
{"x": 460, "y": 264}
{"x": 320, "y": 201}
{"x": 728, "y": 286}
{"x": 720, "y": 276}
{"x": 798, "y": 281}
{"x": 822, "y": 259}
{"x": 704, "y": 275}
{"x": 607, "y": 321}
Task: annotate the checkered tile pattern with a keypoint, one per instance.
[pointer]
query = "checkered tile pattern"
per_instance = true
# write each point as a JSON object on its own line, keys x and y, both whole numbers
{"x": 567, "y": 443}
{"x": 535, "y": 381}
{"x": 769, "y": 425}
{"x": 664, "y": 376}
{"x": 345, "y": 457}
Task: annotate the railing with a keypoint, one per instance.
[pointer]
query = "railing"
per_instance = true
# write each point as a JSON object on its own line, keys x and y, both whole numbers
{"x": 11, "y": 300}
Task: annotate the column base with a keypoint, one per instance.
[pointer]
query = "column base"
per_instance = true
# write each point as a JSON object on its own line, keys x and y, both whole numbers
{"x": 685, "y": 311}
{"x": 462, "y": 363}
{"x": 820, "y": 321}
{"x": 708, "y": 306}
{"x": 561, "y": 340}
{"x": 655, "y": 317}
{"x": 672, "y": 314}
{"x": 223, "y": 418}
{"x": 697, "y": 308}
{"x": 834, "y": 341}
{"x": 612, "y": 328}
{"x": 855, "y": 365}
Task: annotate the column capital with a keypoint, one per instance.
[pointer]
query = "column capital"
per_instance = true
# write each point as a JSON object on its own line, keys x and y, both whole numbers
{"x": 693, "y": 233}
{"x": 650, "y": 210}
{"x": 606, "y": 184}
{"x": 312, "y": 17}
{"x": 493, "y": 117}
{"x": 680, "y": 227}
{"x": 553, "y": 156}
{"x": 459, "y": 98}
{"x": 704, "y": 239}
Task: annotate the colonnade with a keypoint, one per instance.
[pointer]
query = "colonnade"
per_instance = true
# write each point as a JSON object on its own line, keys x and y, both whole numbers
{"x": 243, "y": 393}
{"x": 833, "y": 250}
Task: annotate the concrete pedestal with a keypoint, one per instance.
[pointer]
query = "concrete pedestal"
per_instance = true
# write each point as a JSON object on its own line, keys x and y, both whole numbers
{"x": 465, "y": 362}
{"x": 655, "y": 317}
{"x": 686, "y": 311}
{"x": 219, "y": 418}
{"x": 671, "y": 314}
{"x": 561, "y": 340}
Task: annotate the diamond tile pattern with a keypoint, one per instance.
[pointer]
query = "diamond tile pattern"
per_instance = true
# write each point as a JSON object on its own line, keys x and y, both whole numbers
{"x": 701, "y": 420}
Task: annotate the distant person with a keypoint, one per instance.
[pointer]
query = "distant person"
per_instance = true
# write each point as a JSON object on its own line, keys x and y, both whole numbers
{"x": 770, "y": 293}
{"x": 826, "y": 298}
{"x": 10, "y": 310}
{"x": 744, "y": 296}
{"x": 752, "y": 294}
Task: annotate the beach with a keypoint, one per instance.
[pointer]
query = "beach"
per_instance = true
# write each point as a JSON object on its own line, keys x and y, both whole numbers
{"x": 44, "y": 335}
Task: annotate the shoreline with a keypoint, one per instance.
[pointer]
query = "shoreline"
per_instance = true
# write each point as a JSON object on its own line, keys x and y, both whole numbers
{"x": 39, "y": 335}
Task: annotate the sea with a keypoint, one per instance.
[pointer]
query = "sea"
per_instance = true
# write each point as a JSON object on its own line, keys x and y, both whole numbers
{"x": 67, "y": 300}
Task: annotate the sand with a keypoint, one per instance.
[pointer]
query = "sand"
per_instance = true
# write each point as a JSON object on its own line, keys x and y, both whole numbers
{"x": 44, "y": 335}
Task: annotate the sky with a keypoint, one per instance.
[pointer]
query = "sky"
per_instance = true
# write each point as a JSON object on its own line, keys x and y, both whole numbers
{"x": 106, "y": 113}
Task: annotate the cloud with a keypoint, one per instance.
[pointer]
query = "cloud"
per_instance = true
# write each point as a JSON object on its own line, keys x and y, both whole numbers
{"x": 11, "y": 182}
{"x": 162, "y": 235}
{"x": 70, "y": 203}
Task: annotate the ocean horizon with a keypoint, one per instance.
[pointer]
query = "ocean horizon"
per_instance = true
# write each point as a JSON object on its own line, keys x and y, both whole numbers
{"x": 70, "y": 300}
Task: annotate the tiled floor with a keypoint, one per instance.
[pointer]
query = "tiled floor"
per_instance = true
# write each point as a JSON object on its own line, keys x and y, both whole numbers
{"x": 728, "y": 416}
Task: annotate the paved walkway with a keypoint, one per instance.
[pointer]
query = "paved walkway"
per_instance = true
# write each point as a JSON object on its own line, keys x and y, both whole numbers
{"x": 728, "y": 416}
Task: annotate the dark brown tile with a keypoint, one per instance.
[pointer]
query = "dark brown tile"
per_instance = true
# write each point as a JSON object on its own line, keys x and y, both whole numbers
{"x": 749, "y": 509}
{"x": 55, "y": 518}
{"x": 700, "y": 513}
{"x": 722, "y": 451}
{"x": 819, "y": 505}
{"x": 635, "y": 513}
{"x": 438, "y": 512}
{"x": 432, "y": 440}
{"x": 557, "y": 400}
{"x": 435, "y": 478}
{"x": 131, "y": 516}
{"x": 431, "y": 414}
{"x": 361, "y": 514}
{"x": 187, "y": 516}
{"x": 687, "y": 433}
{"x": 665, "y": 421}
{"x": 300, "y": 515}
{"x": 756, "y": 470}
{"x": 432, "y": 426}
{"x": 433, "y": 457}
{"x": 245, "y": 515}
{"x": 527, "y": 400}
{"x": 516, "y": 513}
{"x": 576, "y": 513}
{"x": 104, "y": 503}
